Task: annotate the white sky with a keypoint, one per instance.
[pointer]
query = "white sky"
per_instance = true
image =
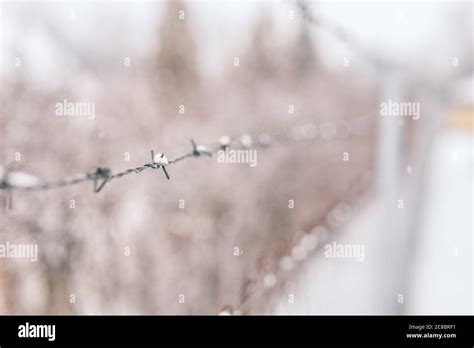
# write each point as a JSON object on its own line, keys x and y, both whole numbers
{"x": 423, "y": 34}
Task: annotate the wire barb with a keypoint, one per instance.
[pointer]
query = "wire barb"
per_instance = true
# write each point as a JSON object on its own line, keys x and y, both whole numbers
{"x": 103, "y": 173}
{"x": 199, "y": 150}
{"x": 224, "y": 142}
{"x": 159, "y": 161}
{"x": 6, "y": 185}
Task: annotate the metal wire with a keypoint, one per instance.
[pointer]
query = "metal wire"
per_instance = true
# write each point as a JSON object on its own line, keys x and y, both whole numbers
{"x": 267, "y": 281}
{"x": 343, "y": 36}
{"x": 103, "y": 175}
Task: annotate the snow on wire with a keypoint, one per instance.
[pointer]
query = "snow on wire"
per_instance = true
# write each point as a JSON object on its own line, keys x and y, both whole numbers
{"x": 11, "y": 179}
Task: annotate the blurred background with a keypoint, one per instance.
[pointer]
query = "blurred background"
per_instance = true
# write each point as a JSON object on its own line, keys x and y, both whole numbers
{"x": 306, "y": 81}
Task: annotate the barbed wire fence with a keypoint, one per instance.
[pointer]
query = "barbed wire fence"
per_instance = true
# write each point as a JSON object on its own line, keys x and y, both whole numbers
{"x": 390, "y": 81}
{"x": 12, "y": 179}
{"x": 335, "y": 218}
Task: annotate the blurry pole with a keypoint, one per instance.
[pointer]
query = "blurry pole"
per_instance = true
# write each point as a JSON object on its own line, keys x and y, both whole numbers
{"x": 387, "y": 248}
{"x": 389, "y": 136}
{"x": 432, "y": 103}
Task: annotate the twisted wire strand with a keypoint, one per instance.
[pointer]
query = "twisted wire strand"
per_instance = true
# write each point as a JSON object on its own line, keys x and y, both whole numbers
{"x": 251, "y": 140}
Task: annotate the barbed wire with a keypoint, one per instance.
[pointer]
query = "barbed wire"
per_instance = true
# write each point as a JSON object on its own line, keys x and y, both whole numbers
{"x": 14, "y": 180}
{"x": 311, "y": 241}
{"x": 342, "y": 35}
{"x": 337, "y": 216}
{"x": 307, "y": 246}
{"x": 10, "y": 179}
